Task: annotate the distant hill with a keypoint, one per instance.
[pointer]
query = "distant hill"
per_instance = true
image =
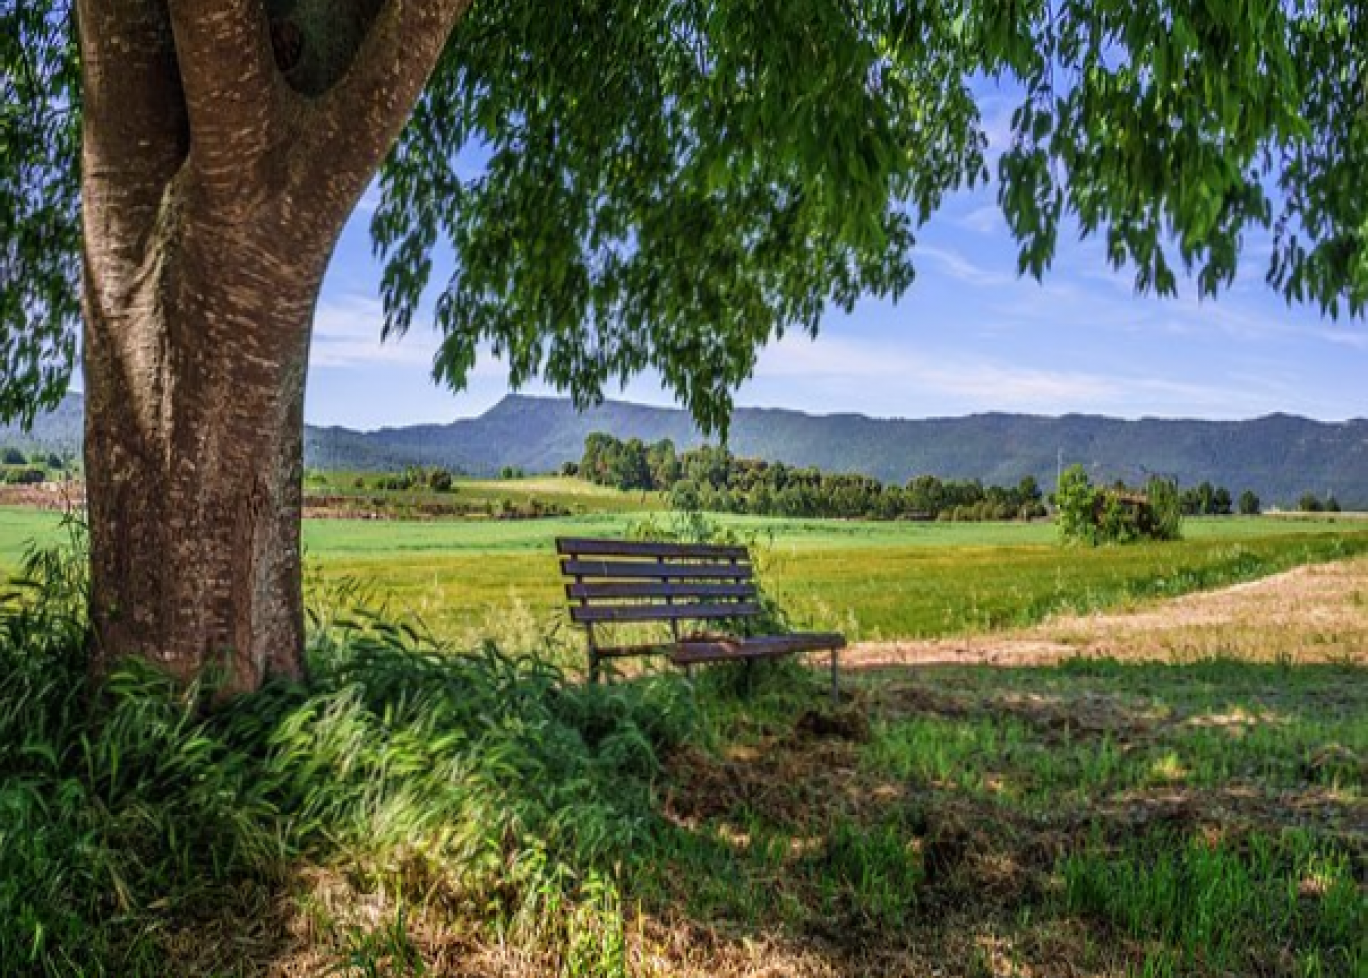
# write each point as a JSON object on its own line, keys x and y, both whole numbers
{"x": 59, "y": 431}
{"x": 1278, "y": 456}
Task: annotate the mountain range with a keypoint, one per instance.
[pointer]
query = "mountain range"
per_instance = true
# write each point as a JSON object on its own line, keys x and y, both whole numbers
{"x": 1279, "y": 456}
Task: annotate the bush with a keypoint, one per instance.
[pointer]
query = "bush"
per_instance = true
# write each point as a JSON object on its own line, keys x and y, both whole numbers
{"x": 25, "y": 476}
{"x": 439, "y": 480}
{"x": 1096, "y": 516}
{"x": 1166, "y": 509}
{"x": 1076, "y": 503}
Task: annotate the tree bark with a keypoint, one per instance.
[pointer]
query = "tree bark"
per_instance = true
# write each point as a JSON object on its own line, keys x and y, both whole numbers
{"x": 212, "y": 195}
{"x": 194, "y": 380}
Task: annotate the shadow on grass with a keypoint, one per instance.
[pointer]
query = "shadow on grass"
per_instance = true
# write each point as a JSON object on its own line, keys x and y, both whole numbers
{"x": 416, "y": 809}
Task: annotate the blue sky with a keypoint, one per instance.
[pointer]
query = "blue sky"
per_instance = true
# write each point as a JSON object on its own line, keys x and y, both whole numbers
{"x": 970, "y": 336}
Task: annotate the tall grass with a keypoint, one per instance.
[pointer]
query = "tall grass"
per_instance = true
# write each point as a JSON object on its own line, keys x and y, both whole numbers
{"x": 134, "y": 811}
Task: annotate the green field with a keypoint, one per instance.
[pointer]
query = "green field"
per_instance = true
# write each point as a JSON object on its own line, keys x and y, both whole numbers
{"x": 871, "y": 580}
{"x": 1096, "y": 818}
{"x": 558, "y": 492}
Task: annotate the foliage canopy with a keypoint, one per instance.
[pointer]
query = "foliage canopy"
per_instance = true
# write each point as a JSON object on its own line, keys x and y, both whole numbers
{"x": 628, "y": 185}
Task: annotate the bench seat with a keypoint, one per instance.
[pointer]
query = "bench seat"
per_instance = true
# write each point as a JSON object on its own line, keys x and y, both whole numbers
{"x": 687, "y": 653}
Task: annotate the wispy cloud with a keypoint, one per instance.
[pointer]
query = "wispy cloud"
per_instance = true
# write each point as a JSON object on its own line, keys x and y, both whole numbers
{"x": 986, "y": 220}
{"x": 960, "y": 268}
{"x": 1354, "y": 339}
{"x": 347, "y": 334}
{"x": 886, "y": 373}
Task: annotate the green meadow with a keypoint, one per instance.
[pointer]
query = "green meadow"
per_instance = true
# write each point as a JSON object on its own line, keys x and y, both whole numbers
{"x": 434, "y": 797}
{"x": 871, "y": 580}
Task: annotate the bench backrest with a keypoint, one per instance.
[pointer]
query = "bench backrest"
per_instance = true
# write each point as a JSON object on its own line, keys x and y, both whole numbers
{"x": 634, "y": 581}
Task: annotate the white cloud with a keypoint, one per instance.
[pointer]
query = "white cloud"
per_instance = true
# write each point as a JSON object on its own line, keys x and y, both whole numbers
{"x": 960, "y": 268}
{"x": 347, "y": 334}
{"x": 986, "y": 219}
{"x": 889, "y": 375}
{"x": 1354, "y": 339}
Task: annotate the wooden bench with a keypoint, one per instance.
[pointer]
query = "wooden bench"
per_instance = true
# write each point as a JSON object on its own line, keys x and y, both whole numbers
{"x": 625, "y": 581}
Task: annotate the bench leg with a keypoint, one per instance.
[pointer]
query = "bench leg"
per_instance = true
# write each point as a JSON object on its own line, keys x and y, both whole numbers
{"x": 835, "y": 686}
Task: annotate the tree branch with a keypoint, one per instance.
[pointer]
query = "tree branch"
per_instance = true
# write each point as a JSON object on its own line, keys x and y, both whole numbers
{"x": 232, "y": 88}
{"x": 357, "y": 121}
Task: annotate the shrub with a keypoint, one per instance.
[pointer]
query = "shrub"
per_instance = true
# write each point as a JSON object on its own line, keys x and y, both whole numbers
{"x": 25, "y": 476}
{"x": 439, "y": 480}
{"x": 1166, "y": 509}
{"x": 1076, "y": 503}
{"x": 1088, "y": 514}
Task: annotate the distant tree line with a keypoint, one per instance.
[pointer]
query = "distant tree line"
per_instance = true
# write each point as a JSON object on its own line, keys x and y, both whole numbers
{"x": 1311, "y": 503}
{"x": 17, "y": 468}
{"x": 414, "y": 478}
{"x": 712, "y": 478}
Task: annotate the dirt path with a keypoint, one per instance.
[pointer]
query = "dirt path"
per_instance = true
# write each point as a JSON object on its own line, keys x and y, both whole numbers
{"x": 1310, "y": 614}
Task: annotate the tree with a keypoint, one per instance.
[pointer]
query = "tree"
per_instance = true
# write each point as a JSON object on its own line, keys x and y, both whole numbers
{"x": 664, "y": 464}
{"x": 13, "y": 456}
{"x": 1076, "y": 500}
{"x": 1250, "y": 504}
{"x": 1165, "y": 507}
{"x": 1310, "y": 503}
{"x": 667, "y": 185}
{"x": 630, "y": 471}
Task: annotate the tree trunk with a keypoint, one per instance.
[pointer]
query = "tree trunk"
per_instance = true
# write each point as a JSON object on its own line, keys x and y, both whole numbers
{"x": 194, "y": 380}
{"x": 212, "y": 195}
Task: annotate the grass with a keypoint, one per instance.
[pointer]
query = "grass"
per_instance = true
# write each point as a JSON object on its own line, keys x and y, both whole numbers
{"x": 1093, "y": 819}
{"x": 870, "y": 580}
{"x": 423, "y": 808}
{"x": 575, "y": 496}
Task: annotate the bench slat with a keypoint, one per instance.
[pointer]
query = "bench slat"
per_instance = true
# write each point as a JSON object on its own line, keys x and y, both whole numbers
{"x": 642, "y": 569}
{"x": 640, "y": 548}
{"x": 662, "y": 612}
{"x": 596, "y": 590}
{"x": 763, "y": 646}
